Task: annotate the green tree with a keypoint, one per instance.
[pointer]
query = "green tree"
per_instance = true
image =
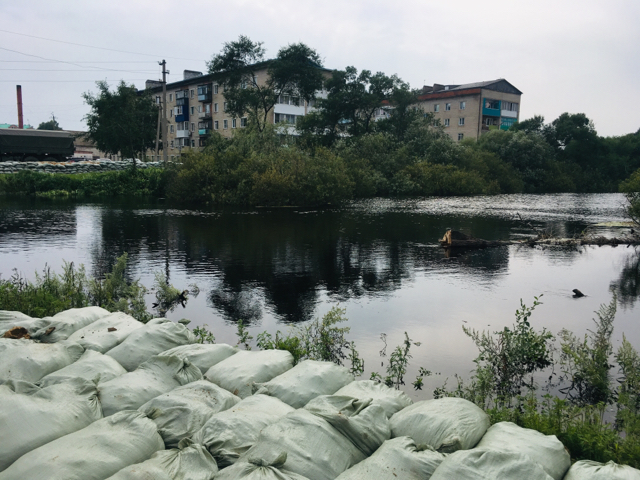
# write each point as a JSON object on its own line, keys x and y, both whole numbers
{"x": 122, "y": 121}
{"x": 296, "y": 71}
{"x": 50, "y": 124}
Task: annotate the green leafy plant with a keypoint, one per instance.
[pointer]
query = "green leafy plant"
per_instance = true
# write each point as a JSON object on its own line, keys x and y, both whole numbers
{"x": 243, "y": 336}
{"x": 203, "y": 335}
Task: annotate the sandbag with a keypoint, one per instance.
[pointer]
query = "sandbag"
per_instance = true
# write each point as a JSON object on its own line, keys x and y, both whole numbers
{"x": 232, "y": 432}
{"x": 481, "y": 464}
{"x": 546, "y": 450}
{"x": 93, "y": 453}
{"x": 590, "y": 470}
{"x": 106, "y": 332}
{"x": 184, "y": 410}
{"x": 203, "y": 356}
{"x": 256, "y": 469}
{"x": 360, "y": 421}
{"x": 390, "y": 399}
{"x": 63, "y": 324}
{"x": 40, "y": 415}
{"x": 446, "y": 424}
{"x": 10, "y": 319}
{"x": 30, "y": 361}
{"x": 91, "y": 365}
{"x": 305, "y": 381}
{"x": 398, "y": 458}
{"x": 239, "y": 372}
{"x": 160, "y": 374}
{"x": 152, "y": 339}
{"x": 187, "y": 462}
{"x": 314, "y": 448}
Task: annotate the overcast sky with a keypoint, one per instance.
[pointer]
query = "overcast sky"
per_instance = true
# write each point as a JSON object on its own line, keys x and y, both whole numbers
{"x": 578, "y": 56}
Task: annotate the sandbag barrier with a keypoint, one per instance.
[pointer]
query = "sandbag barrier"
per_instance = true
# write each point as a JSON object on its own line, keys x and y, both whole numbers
{"x": 83, "y": 166}
{"x": 88, "y": 394}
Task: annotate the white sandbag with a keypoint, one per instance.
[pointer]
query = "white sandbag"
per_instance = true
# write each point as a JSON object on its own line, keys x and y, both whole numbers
{"x": 30, "y": 361}
{"x": 398, "y": 458}
{"x": 390, "y": 399}
{"x": 184, "y": 410}
{"x": 306, "y": 381}
{"x": 40, "y": 415}
{"x": 187, "y": 462}
{"x": 240, "y": 371}
{"x": 232, "y": 432}
{"x": 63, "y": 324}
{"x": 546, "y": 450}
{"x": 590, "y": 470}
{"x": 106, "y": 332}
{"x": 204, "y": 356}
{"x": 314, "y": 448}
{"x": 91, "y": 365}
{"x": 10, "y": 319}
{"x": 446, "y": 424}
{"x": 365, "y": 424}
{"x": 158, "y": 375}
{"x": 256, "y": 469}
{"x": 481, "y": 464}
{"x": 152, "y": 339}
{"x": 93, "y": 453}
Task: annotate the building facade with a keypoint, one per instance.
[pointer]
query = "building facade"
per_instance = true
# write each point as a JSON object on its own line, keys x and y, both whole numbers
{"x": 196, "y": 108}
{"x": 468, "y": 111}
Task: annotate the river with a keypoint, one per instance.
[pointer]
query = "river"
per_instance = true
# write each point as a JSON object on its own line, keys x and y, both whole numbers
{"x": 378, "y": 258}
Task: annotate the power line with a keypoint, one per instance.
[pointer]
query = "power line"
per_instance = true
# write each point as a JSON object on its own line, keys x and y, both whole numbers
{"x": 98, "y": 48}
{"x": 70, "y": 81}
{"x": 66, "y": 70}
{"x": 76, "y": 61}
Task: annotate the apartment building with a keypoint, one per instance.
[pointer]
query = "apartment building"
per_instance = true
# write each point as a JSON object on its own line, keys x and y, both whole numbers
{"x": 196, "y": 108}
{"x": 468, "y": 111}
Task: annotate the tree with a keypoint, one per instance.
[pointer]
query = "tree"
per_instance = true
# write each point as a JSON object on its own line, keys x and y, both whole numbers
{"x": 121, "y": 121}
{"x": 296, "y": 71}
{"x": 50, "y": 125}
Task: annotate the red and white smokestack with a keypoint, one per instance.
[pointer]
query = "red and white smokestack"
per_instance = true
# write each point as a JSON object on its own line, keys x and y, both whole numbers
{"x": 19, "y": 93}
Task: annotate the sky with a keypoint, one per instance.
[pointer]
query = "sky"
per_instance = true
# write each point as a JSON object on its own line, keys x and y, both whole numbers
{"x": 576, "y": 56}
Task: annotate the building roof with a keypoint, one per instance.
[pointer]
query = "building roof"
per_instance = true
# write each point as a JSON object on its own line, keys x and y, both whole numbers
{"x": 498, "y": 85}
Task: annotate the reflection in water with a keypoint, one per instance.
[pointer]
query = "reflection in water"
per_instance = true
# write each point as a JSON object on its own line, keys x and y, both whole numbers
{"x": 628, "y": 285}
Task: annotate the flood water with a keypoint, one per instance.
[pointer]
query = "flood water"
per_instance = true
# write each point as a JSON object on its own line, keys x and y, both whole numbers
{"x": 379, "y": 259}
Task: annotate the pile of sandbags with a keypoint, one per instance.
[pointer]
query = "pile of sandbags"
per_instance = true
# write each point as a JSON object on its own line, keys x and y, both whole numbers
{"x": 62, "y": 325}
{"x": 91, "y": 365}
{"x": 203, "y": 355}
{"x": 390, "y": 399}
{"x": 106, "y": 332}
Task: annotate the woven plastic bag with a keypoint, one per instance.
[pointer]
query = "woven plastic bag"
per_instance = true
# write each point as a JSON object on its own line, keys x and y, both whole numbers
{"x": 60, "y": 326}
{"x": 589, "y": 470}
{"x": 306, "y": 381}
{"x": 203, "y": 356}
{"x": 390, "y": 399}
{"x": 31, "y": 416}
{"x": 257, "y": 469}
{"x": 158, "y": 375}
{"x": 446, "y": 424}
{"x": 106, "y": 332}
{"x": 93, "y": 453}
{"x": 152, "y": 339}
{"x": 546, "y": 450}
{"x": 239, "y": 372}
{"x": 183, "y": 411}
{"x": 91, "y": 365}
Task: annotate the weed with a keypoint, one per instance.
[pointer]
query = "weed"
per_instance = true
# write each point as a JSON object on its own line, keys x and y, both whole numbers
{"x": 243, "y": 336}
{"x": 203, "y": 335}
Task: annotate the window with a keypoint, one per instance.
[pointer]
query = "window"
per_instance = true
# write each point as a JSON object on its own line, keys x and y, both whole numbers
{"x": 191, "y": 93}
{"x": 192, "y": 108}
{"x": 170, "y": 112}
{"x": 491, "y": 104}
{"x": 243, "y": 122}
{"x": 173, "y": 158}
{"x": 447, "y": 106}
{"x": 233, "y": 123}
{"x": 463, "y": 105}
{"x": 171, "y": 97}
{"x": 282, "y": 117}
{"x": 215, "y": 89}
{"x": 199, "y": 108}
{"x": 436, "y": 108}
{"x": 207, "y": 108}
{"x": 215, "y": 107}
{"x": 460, "y": 136}
{"x": 158, "y": 99}
{"x": 215, "y": 125}
{"x": 172, "y": 144}
{"x": 171, "y": 128}
{"x": 224, "y": 107}
{"x": 510, "y": 106}
{"x": 193, "y": 143}
{"x": 179, "y": 110}
{"x": 447, "y": 122}
{"x": 461, "y": 121}
{"x": 193, "y": 127}
{"x": 225, "y": 124}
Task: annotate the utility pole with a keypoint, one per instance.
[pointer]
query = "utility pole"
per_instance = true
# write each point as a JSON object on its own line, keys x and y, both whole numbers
{"x": 158, "y": 129}
{"x": 165, "y": 143}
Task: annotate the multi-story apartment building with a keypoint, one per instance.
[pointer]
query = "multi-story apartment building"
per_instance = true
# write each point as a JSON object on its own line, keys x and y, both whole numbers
{"x": 196, "y": 107}
{"x": 468, "y": 111}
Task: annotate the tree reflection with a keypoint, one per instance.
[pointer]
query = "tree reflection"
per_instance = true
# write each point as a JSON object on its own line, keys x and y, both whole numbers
{"x": 628, "y": 284}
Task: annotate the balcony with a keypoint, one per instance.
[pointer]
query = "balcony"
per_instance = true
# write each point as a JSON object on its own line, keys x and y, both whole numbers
{"x": 509, "y": 113}
{"x": 182, "y": 102}
{"x": 204, "y": 131}
{"x": 204, "y": 114}
{"x": 182, "y": 133}
{"x": 491, "y": 108}
{"x": 204, "y": 97}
